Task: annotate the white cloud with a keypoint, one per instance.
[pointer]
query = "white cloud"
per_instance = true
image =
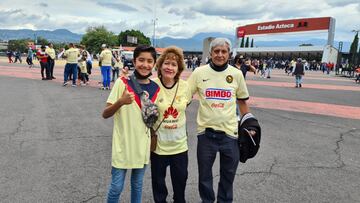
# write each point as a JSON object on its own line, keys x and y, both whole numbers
{"x": 175, "y": 18}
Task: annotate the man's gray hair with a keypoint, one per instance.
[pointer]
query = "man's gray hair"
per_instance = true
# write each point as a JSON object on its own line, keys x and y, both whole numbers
{"x": 220, "y": 42}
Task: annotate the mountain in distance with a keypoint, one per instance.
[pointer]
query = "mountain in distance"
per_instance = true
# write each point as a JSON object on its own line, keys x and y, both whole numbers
{"x": 194, "y": 43}
{"x": 59, "y": 35}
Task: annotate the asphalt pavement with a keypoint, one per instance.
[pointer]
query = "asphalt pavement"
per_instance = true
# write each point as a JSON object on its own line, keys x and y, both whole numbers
{"x": 56, "y": 147}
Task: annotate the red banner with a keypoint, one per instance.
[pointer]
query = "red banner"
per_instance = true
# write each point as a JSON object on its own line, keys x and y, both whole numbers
{"x": 284, "y": 26}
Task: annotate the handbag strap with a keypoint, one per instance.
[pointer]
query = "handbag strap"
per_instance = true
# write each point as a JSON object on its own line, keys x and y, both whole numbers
{"x": 177, "y": 87}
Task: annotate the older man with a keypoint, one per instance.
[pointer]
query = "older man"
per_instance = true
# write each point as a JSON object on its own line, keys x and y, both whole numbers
{"x": 218, "y": 85}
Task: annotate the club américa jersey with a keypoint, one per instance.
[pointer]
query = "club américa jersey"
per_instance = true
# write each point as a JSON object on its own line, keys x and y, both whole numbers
{"x": 172, "y": 137}
{"x": 218, "y": 92}
{"x": 131, "y": 138}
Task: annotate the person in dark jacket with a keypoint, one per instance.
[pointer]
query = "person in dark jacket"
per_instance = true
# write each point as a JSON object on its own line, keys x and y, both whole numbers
{"x": 298, "y": 72}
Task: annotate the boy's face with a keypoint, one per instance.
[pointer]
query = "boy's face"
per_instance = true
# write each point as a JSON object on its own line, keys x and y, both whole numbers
{"x": 144, "y": 63}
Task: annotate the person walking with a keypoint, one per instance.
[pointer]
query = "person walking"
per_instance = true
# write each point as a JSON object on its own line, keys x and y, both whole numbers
{"x": 171, "y": 146}
{"x": 105, "y": 60}
{"x": 218, "y": 86}
{"x": 71, "y": 55}
{"x": 131, "y": 137}
{"x": 118, "y": 65}
{"x": 298, "y": 72}
{"x": 29, "y": 58}
{"x": 18, "y": 56}
{"x": 9, "y": 54}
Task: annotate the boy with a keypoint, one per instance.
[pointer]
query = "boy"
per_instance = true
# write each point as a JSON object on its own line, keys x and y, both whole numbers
{"x": 131, "y": 137}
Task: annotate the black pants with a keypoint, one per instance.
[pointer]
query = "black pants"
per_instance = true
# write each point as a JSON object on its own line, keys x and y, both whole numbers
{"x": 45, "y": 67}
{"x": 208, "y": 145}
{"x": 51, "y": 64}
{"x": 115, "y": 71}
{"x": 29, "y": 61}
{"x": 178, "y": 170}
{"x": 88, "y": 67}
{"x": 84, "y": 77}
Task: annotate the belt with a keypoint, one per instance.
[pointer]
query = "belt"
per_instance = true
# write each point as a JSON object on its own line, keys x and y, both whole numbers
{"x": 214, "y": 131}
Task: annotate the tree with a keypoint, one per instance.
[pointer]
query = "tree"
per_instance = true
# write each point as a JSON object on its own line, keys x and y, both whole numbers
{"x": 247, "y": 42}
{"x": 141, "y": 38}
{"x": 42, "y": 41}
{"x": 252, "y": 42}
{"x": 353, "y": 50}
{"x": 18, "y": 45}
{"x": 96, "y": 36}
{"x": 242, "y": 42}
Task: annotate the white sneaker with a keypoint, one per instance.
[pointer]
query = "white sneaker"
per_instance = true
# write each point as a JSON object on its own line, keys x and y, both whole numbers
{"x": 73, "y": 85}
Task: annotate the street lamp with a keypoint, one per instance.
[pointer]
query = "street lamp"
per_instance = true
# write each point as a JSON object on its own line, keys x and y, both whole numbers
{"x": 153, "y": 38}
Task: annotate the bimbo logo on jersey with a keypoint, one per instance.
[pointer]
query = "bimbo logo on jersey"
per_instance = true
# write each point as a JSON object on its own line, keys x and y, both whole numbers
{"x": 218, "y": 94}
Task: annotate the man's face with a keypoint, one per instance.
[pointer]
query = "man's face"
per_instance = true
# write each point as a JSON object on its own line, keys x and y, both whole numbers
{"x": 220, "y": 55}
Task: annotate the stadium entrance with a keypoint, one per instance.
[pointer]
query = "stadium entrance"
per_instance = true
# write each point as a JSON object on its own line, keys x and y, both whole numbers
{"x": 326, "y": 53}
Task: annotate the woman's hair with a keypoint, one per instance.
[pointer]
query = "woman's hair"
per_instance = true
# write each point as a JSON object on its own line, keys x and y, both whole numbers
{"x": 144, "y": 48}
{"x": 173, "y": 53}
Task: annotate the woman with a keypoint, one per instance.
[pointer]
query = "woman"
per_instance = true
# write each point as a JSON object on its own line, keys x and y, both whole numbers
{"x": 131, "y": 138}
{"x": 171, "y": 149}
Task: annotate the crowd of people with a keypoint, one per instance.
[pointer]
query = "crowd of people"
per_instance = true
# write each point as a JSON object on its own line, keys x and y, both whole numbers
{"x": 150, "y": 114}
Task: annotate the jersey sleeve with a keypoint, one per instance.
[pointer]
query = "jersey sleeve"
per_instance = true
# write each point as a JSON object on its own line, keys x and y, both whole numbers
{"x": 192, "y": 84}
{"x": 116, "y": 92}
{"x": 242, "y": 92}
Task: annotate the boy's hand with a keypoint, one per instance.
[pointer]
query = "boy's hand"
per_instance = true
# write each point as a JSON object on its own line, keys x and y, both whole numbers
{"x": 127, "y": 97}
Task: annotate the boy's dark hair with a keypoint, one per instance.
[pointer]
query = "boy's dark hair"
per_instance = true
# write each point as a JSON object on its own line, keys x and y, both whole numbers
{"x": 144, "y": 48}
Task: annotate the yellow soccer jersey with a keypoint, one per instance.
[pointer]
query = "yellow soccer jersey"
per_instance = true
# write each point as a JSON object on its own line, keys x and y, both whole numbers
{"x": 106, "y": 56}
{"x": 50, "y": 52}
{"x": 72, "y": 55}
{"x": 131, "y": 138}
{"x": 82, "y": 66}
{"x": 218, "y": 92}
{"x": 172, "y": 138}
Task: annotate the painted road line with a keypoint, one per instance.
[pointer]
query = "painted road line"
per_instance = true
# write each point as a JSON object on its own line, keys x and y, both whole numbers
{"x": 306, "y": 107}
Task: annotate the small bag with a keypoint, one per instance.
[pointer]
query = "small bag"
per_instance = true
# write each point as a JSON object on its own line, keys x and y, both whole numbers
{"x": 149, "y": 110}
{"x": 153, "y": 140}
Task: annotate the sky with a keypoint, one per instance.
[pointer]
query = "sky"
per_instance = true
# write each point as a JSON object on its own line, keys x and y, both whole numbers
{"x": 175, "y": 18}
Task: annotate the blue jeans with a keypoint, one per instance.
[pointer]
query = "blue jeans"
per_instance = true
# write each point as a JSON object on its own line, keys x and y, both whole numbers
{"x": 207, "y": 147}
{"x": 117, "y": 184}
{"x": 105, "y": 72}
{"x": 298, "y": 79}
{"x": 70, "y": 68}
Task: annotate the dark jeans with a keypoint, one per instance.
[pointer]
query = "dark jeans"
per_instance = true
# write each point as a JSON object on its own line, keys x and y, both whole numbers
{"x": 88, "y": 67}
{"x": 115, "y": 71}
{"x": 84, "y": 77}
{"x": 44, "y": 67}
{"x": 29, "y": 61}
{"x": 51, "y": 64}
{"x": 70, "y": 68}
{"x": 208, "y": 145}
{"x": 178, "y": 170}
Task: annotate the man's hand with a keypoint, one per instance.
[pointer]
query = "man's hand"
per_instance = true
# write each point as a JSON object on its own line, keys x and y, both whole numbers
{"x": 127, "y": 97}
